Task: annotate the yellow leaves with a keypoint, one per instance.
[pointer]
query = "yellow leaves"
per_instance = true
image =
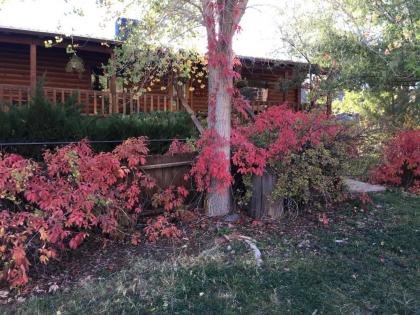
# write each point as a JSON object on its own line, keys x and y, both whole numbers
{"x": 43, "y": 234}
{"x": 46, "y": 254}
{"x": 43, "y": 259}
{"x": 48, "y": 43}
{"x": 191, "y": 89}
{"x": 70, "y": 49}
{"x": 163, "y": 88}
{"x": 202, "y": 86}
{"x": 149, "y": 89}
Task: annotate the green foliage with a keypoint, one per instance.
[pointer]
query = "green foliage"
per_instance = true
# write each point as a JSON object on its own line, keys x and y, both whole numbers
{"x": 372, "y": 49}
{"x": 42, "y": 121}
{"x": 312, "y": 178}
{"x": 155, "y": 125}
{"x": 152, "y": 50}
{"x": 378, "y": 109}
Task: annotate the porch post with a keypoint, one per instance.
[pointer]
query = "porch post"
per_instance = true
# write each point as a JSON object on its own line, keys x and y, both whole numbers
{"x": 32, "y": 63}
{"x": 113, "y": 86}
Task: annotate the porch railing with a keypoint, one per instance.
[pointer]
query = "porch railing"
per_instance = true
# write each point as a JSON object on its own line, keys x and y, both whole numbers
{"x": 104, "y": 102}
{"x": 92, "y": 102}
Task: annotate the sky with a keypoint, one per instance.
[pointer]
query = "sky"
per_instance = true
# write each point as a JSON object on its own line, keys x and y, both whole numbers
{"x": 259, "y": 36}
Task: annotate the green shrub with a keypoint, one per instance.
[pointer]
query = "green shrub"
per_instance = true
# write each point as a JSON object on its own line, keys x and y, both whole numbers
{"x": 312, "y": 178}
{"x": 42, "y": 121}
{"x": 155, "y": 125}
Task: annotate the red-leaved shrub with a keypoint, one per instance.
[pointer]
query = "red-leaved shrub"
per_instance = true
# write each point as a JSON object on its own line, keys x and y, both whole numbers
{"x": 50, "y": 206}
{"x": 401, "y": 162}
{"x": 308, "y": 153}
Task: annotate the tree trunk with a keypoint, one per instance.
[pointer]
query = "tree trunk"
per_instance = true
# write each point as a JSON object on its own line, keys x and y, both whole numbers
{"x": 219, "y": 201}
{"x": 221, "y": 23}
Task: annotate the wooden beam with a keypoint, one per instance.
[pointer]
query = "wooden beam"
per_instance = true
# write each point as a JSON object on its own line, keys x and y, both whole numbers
{"x": 165, "y": 165}
{"x": 113, "y": 86}
{"x": 40, "y": 42}
{"x": 32, "y": 64}
{"x": 284, "y": 92}
{"x": 187, "y": 107}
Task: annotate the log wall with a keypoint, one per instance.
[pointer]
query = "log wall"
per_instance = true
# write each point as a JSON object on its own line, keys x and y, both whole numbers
{"x": 51, "y": 63}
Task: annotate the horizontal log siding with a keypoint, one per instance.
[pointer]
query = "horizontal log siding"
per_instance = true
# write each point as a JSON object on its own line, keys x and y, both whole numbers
{"x": 51, "y": 63}
{"x": 199, "y": 98}
{"x": 273, "y": 77}
{"x": 14, "y": 64}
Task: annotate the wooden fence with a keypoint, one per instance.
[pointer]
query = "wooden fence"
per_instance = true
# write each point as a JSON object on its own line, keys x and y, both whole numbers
{"x": 169, "y": 170}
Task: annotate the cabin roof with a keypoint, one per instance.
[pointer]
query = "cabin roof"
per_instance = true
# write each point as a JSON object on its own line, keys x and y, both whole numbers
{"x": 48, "y": 35}
{"x": 271, "y": 64}
{"x": 247, "y": 61}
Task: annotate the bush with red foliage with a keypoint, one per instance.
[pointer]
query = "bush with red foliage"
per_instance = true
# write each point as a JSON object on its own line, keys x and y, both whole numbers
{"x": 178, "y": 147}
{"x": 401, "y": 162}
{"x": 211, "y": 165}
{"x": 46, "y": 207}
{"x": 308, "y": 152}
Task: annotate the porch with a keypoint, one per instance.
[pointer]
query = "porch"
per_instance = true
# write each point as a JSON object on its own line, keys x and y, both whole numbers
{"x": 92, "y": 102}
{"x": 102, "y": 102}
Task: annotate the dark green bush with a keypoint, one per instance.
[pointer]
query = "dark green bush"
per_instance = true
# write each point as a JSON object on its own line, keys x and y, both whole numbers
{"x": 42, "y": 121}
{"x": 155, "y": 125}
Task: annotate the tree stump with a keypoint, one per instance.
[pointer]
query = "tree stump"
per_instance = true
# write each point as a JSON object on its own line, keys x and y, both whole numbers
{"x": 262, "y": 205}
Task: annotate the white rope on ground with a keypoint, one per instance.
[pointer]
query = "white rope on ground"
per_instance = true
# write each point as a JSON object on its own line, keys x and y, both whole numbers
{"x": 251, "y": 243}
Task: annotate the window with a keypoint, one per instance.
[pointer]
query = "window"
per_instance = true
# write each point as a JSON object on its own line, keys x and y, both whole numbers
{"x": 261, "y": 94}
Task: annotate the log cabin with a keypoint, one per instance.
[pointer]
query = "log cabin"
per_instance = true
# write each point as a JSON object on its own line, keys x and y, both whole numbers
{"x": 25, "y": 59}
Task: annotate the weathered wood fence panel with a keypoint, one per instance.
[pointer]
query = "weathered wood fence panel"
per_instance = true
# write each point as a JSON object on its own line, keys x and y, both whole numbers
{"x": 262, "y": 205}
{"x": 169, "y": 170}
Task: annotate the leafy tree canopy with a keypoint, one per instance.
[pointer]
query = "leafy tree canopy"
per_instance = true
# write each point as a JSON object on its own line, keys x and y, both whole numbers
{"x": 373, "y": 46}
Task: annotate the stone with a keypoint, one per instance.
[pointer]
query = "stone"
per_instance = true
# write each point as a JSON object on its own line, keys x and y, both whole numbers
{"x": 355, "y": 186}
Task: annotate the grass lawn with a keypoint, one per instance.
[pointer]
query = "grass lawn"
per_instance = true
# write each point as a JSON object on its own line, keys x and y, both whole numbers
{"x": 363, "y": 262}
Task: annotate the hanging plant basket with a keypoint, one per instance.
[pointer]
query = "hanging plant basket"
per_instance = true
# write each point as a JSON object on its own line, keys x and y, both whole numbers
{"x": 75, "y": 64}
